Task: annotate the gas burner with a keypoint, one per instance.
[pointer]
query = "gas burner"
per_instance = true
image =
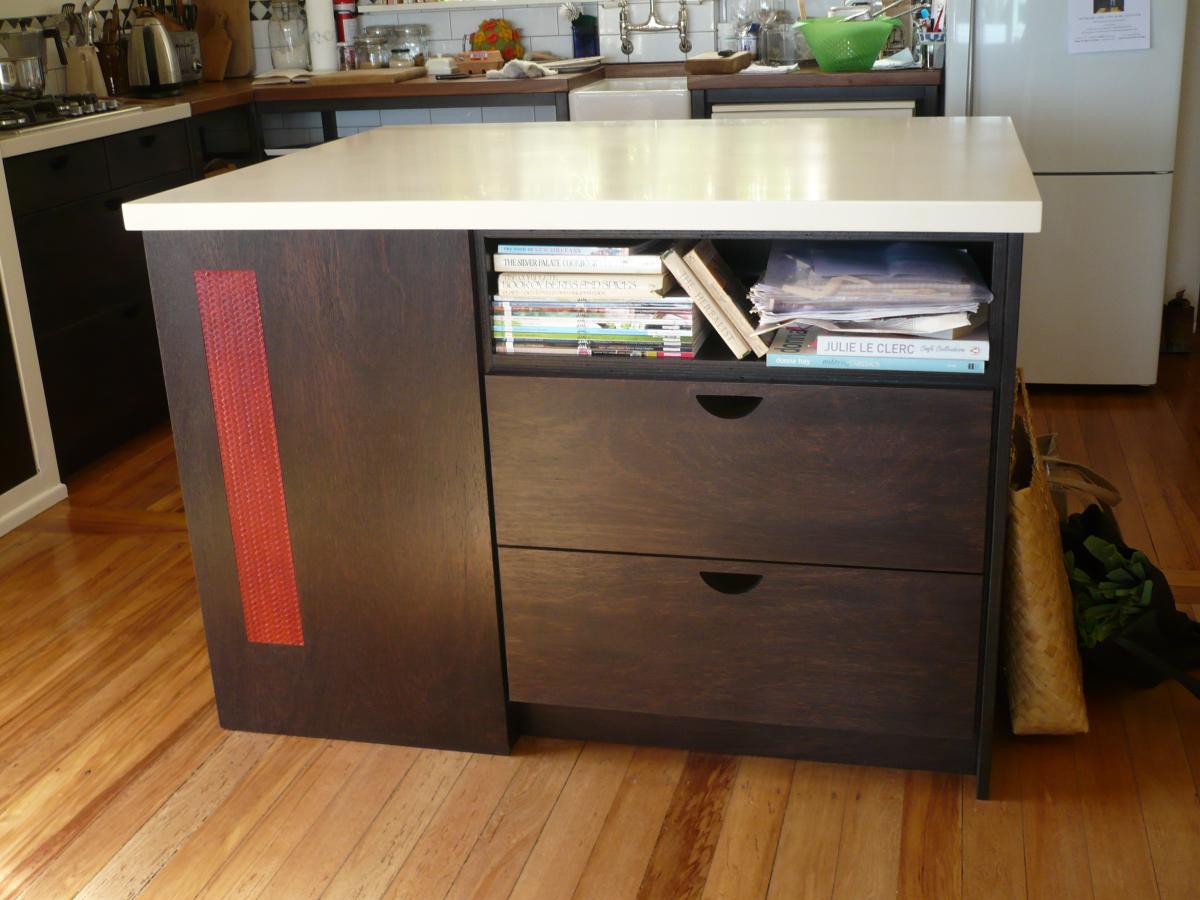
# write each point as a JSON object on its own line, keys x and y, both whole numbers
{"x": 18, "y": 112}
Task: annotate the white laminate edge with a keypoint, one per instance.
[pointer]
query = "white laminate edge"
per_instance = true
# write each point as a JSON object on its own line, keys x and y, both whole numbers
{"x": 45, "y": 488}
{"x": 1016, "y": 217}
{"x": 48, "y": 137}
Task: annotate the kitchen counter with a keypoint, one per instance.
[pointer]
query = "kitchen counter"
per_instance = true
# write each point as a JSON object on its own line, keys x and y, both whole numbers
{"x": 72, "y": 131}
{"x": 812, "y": 77}
{"x": 818, "y": 174}
{"x": 401, "y": 535}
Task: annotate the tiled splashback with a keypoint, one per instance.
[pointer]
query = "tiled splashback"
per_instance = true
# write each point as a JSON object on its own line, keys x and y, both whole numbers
{"x": 542, "y": 27}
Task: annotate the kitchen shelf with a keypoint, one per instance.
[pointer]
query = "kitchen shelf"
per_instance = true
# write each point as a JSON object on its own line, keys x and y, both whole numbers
{"x": 380, "y": 8}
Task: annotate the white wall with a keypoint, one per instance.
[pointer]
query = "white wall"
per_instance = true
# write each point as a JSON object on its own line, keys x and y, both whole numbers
{"x": 1183, "y": 249}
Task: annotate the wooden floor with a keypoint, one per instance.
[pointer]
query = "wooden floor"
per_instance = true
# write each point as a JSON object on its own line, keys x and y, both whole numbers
{"x": 116, "y": 780}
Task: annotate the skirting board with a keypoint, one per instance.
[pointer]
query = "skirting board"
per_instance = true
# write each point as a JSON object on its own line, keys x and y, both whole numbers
{"x": 25, "y": 501}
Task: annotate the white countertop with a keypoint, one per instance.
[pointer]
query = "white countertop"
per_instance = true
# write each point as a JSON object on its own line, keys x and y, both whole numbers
{"x": 844, "y": 174}
{"x": 72, "y": 131}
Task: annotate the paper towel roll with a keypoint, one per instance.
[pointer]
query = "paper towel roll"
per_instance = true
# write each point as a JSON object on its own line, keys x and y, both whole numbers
{"x": 322, "y": 35}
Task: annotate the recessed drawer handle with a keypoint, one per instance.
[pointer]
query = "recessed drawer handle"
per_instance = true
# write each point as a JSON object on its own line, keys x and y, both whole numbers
{"x": 147, "y": 140}
{"x": 728, "y": 407}
{"x": 60, "y": 162}
{"x": 731, "y": 582}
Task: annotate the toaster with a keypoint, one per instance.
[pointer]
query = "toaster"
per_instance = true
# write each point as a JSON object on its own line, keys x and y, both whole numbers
{"x": 187, "y": 50}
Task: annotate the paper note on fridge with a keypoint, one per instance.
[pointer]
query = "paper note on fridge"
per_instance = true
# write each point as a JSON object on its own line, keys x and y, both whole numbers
{"x": 1104, "y": 26}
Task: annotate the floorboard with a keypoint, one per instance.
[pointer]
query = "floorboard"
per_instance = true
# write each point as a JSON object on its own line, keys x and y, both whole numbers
{"x": 117, "y": 781}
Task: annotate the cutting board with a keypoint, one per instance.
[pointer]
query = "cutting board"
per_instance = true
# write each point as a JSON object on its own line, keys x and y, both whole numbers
{"x": 712, "y": 64}
{"x": 368, "y": 76}
{"x": 237, "y": 15}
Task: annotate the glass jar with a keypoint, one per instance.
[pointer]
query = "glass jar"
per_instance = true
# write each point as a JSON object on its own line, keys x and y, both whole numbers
{"x": 371, "y": 51}
{"x": 401, "y": 59}
{"x": 414, "y": 39}
{"x": 288, "y": 34}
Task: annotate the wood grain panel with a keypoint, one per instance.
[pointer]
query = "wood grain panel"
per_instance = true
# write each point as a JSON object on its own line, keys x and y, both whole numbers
{"x": 812, "y": 646}
{"x": 622, "y": 851}
{"x": 376, "y": 396}
{"x": 836, "y": 475}
{"x": 684, "y": 853}
{"x": 807, "y": 855}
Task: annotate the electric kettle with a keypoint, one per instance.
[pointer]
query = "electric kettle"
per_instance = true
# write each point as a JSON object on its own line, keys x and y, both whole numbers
{"x": 153, "y": 65}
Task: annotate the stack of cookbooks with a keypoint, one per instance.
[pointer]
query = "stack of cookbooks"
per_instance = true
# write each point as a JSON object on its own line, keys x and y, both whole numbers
{"x": 587, "y": 300}
{"x": 886, "y": 305}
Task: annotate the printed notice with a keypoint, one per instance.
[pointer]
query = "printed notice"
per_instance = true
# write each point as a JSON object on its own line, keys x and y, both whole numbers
{"x": 1102, "y": 26}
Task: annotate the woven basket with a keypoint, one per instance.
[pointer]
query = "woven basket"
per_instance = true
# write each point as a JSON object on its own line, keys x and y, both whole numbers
{"x": 1045, "y": 678}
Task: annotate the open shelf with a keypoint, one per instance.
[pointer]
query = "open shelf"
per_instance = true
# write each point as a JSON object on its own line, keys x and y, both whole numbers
{"x": 747, "y": 254}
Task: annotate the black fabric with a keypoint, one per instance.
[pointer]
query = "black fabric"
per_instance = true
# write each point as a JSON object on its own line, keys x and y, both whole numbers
{"x": 1159, "y": 644}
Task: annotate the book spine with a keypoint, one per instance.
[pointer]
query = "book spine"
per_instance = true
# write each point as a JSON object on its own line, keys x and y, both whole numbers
{"x": 559, "y": 250}
{"x": 608, "y": 265}
{"x": 900, "y": 348}
{"x": 873, "y": 364}
{"x": 515, "y": 285}
{"x": 705, "y": 303}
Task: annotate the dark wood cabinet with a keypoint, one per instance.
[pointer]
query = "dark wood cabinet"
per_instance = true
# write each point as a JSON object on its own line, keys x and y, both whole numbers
{"x": 374, "y": 393}
{"x": 17, "y": 462}
{"x": 85, "y": 277}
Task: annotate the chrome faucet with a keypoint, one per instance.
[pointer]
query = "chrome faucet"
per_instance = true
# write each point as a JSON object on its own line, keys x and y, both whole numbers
{"x": 654, "y": 23}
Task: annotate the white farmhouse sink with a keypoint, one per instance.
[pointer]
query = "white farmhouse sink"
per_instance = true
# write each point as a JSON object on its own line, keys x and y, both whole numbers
{"x": 629, "y": 99}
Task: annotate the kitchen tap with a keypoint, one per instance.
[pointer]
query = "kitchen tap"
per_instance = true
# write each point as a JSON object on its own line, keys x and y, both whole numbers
{"x": 653, "y": 24}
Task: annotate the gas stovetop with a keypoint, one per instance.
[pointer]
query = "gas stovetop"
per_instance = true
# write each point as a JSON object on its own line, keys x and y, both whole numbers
{"x": 19, "y": 113}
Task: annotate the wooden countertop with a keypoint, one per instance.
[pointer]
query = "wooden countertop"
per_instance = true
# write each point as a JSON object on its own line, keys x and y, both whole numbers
{"x": 206, "y": 97}
{"x": 812, "y": 77}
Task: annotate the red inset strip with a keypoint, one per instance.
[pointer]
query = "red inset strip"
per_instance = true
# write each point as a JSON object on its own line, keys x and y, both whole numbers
{"x": 231, "y": 322}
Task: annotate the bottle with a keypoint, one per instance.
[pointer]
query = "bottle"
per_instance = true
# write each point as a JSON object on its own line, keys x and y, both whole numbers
{"x": 288, "y": 34}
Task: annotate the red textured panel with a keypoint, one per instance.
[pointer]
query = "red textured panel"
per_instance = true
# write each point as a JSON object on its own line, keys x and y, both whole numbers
{"x": 231, "y": 321}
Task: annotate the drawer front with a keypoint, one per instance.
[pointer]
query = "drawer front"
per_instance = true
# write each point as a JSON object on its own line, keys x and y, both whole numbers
{"x": 147, "y": 153}
{"x": 838, "y": 475}
{"x": 868, "y": 650}
{"x": 65, "y": 286}
{"x": 53, "y": 177}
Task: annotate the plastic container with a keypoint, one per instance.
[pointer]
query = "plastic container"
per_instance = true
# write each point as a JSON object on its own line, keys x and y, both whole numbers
{"x": 841, "y": 46}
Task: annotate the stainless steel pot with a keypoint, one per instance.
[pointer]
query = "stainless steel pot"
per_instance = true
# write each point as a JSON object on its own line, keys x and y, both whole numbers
{"x": 19, "y": 44}
{"x": 22, "y": 75}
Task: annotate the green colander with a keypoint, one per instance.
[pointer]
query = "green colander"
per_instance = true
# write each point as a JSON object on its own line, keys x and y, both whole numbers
{"x": 841, "y": 46}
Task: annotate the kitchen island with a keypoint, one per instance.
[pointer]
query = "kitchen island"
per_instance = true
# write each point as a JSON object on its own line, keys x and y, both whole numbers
{"x": 401, "y": 537}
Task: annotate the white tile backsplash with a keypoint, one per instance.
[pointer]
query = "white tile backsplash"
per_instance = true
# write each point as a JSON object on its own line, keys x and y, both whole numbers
{"x": 559, "y": 44}
{"x": 438, "y": 22}
{"x": 404, "y": 116}
{"x": 459, "y": 115}
{"x": 357, "y": 118}
{"x": 262, "y": 60}
{"x": 509, "y": 114}
{"x": 258, "y": 34}
{"x": 532, "y": 21}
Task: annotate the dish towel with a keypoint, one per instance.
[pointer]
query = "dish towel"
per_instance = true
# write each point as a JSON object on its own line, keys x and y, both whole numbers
{"x": 519, "y": 68}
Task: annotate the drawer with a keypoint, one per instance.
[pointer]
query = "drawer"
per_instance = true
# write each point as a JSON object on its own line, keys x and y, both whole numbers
{"x": 53, "y": 177}
{"x": 103, "y": 382}
{"x": 850, "y": 649}
{"x": 66, "y": 286}
{"x": 147, "y": 153}
{"x": 838, "y": 475}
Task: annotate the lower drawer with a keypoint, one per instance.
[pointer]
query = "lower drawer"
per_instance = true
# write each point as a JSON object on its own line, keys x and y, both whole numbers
{"x": 864, "y": 650}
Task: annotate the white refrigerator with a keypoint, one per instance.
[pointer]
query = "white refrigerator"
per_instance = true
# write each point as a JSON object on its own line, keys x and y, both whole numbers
{"x": 1099, "y": 132}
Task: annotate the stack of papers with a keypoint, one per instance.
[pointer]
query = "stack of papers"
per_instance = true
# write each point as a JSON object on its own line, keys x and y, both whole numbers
{"x": 896, "y": 287}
